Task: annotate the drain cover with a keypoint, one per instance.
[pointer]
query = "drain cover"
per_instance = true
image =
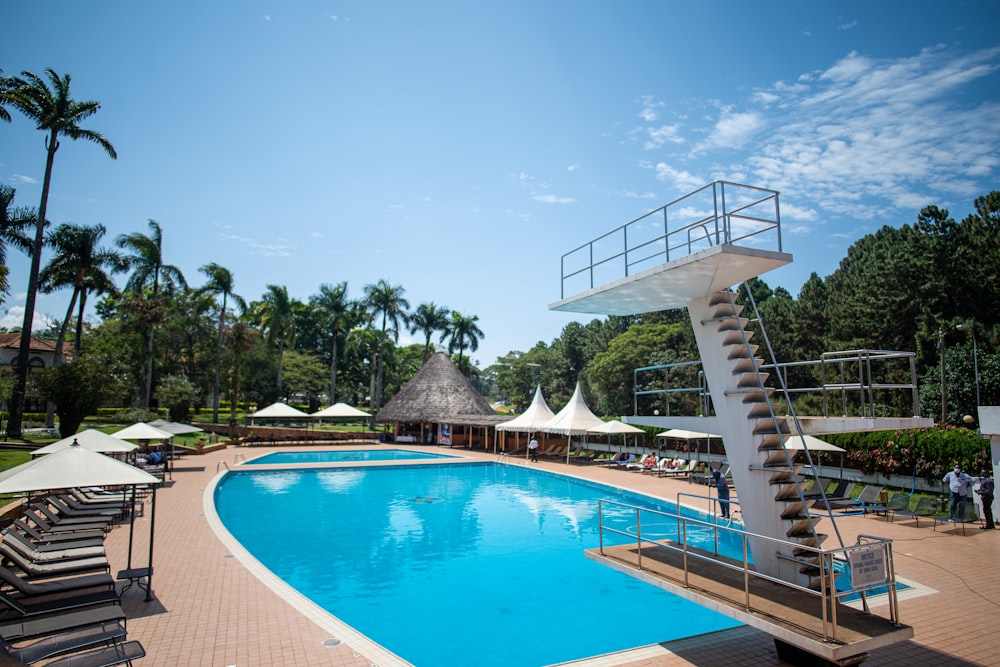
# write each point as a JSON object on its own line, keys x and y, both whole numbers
{"x": 331, "y": 642}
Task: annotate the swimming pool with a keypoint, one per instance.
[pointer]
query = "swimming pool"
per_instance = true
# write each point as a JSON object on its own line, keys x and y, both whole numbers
{"x": 344, "y": 456}
{"x": 450, "y": 564}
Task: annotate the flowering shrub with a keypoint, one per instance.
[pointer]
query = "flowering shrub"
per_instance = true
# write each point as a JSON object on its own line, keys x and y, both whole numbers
{"x": 928, "y": 453}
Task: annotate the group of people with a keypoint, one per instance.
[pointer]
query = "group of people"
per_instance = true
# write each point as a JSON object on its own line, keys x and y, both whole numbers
{"x": 960, "y": 483}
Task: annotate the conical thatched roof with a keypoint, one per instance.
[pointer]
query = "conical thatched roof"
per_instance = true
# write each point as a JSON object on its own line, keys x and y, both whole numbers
{"x": 437, "y": 393}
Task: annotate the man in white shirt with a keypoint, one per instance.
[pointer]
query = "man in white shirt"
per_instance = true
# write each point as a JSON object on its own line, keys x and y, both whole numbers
{"x": 533, "y": 449}
{"x": 959, "y": 484}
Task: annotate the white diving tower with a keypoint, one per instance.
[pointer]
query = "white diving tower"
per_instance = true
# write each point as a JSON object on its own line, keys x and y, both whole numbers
{"x": 690, "y": 253}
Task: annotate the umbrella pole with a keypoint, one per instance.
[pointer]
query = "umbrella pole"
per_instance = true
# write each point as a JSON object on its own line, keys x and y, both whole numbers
{"x": 152, "y": 532}
{"x": 131, "y": 529}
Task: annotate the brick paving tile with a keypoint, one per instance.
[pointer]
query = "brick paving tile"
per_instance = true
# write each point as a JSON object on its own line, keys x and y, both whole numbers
{"x": 209, "y": 609}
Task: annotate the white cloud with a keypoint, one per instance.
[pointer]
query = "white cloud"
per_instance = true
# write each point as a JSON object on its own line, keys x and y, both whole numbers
{"x": 848, "y": 26}
{"x": 13, "y": 318}
{"x": 682, "y": 180}
{"x": 23, "y": 180}
{"x": 573, "y": 167}
{"x": 732, "y": 130}
{"x": 649, "y": 112}
{"x": 553, "y": 199}
{"x": 270, "y": 248}
{"x": 658, "y": 136}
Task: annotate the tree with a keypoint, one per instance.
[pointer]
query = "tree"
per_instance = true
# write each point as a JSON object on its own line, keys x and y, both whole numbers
{"x": 462, "y": 332}
{"x": 80, "y": 263}
{"x": 336, "y": 313}
{"x": 240, "y": 339}
{"x": 57, "y": 114}
{"x": 428, "y": 318}
{"x": 385, "y": 300}
{"x": 177, "y": 393}
{"x": 275, "y": 314}
{"x": 80, "y": 387}
{"x": 148, "y": 271}
{"x": 13, "y": 224}
{"x": 220, "y": 281}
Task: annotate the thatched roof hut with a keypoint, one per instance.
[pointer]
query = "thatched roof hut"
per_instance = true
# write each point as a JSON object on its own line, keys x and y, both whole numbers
{"x": 439, "y": 393}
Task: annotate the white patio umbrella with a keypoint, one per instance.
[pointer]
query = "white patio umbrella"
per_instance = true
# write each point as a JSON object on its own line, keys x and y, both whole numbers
{"x": 92, "y": 439}
{"x": 615, "y": 427}
{"x": 75, "y": 466}
{"x": 142, "y": 431}
{"x": 813, "y": 444}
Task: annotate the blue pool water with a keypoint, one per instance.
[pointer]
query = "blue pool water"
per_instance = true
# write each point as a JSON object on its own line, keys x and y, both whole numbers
{"x": 449, "y": 565}
{"x": 344, "y": 456}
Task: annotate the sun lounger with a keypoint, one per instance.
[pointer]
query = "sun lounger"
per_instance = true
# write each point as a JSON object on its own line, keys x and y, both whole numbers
{"x": 869, "y": 497}
{"x": 37, "y": 605}
{"x": 706, "y": 477}
{"x": 28, "y": 550}
{"x": 38, "y": 537}
{"x": 968, "y": 513}
{"x": 56, "y": 569}
{"x": 839, "y": 498}
{"x": 75, "y": 522}
{"x": 900, "y": 501}
{"x": 69, "y": 641}
{"x": 52, "y": 528}
{"x": 28, "y": 586}
{"x": 47, "y": 624}
{"x": 816, "y": 489}
{"x": 46, "y": 547}
{"x": 927, "y": 507}
{"x": 687, "y": 469}
{"x": 64, "y": 509}
{"x": 117, "y": 654}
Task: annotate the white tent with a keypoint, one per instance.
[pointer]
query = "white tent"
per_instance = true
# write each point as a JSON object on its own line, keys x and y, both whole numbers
{"x": 530, "y": 420}
{"x": 142, "y": 431}
{"x": 277, "y": 410}
{"x": 574, "y": 419}
{"x": 339, "y": 411}
{"x": 174, "y": 428}
{"x": 92, "y": 439}
{"x": 76, "y": 466}
{"x": 538, "y": 413}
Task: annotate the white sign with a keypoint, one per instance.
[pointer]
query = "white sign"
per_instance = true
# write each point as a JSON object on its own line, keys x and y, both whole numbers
{"x": 867, "y": 567}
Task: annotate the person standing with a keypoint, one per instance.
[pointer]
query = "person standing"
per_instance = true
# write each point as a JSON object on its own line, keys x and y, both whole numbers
{"x": 722, "y": 488}
{"x": 985, "y": 492}
{"x": 533, "y": 449}
{"x": 958, "y": 483}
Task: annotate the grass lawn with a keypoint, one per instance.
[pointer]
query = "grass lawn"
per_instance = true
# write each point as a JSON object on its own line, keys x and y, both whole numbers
{"x": 10, "y": 458}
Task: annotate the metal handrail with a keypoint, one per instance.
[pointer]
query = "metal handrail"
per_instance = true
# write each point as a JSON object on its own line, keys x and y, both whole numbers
{"x": 222, "y": 464}
{"x": 827, "y": 592}
{"x": 715, "y": 228}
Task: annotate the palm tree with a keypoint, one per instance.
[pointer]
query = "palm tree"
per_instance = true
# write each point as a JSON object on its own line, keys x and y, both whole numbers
{"x": 337, "y": 313}
{"x": 463, "y": 333}
{"x": 429, "y": 318}
{"x": 386, "y": 300}
{"x": 220, "y": 281}
{"x": 240, "y": 339}
{"x": 149, "y": 272}
{"x": 5, "y": 84}
{"x": 275, "y": 313}
{"x": 13, "y": 224}
{"x": 78, "y": 262}
{"x": 57, "y": 114}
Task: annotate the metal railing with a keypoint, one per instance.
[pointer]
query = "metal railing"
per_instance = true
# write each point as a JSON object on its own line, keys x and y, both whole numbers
{"x": 870, "y": 560}
{"x": 715, "y": 214}
{"x": 855, "y": 376}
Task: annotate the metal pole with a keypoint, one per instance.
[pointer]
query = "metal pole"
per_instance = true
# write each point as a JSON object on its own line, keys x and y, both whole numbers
{"x": 152, "y": 532}
{"x": 944, "y": 387}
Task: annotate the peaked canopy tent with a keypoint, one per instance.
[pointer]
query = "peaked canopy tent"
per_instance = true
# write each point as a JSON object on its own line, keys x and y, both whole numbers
{"x": 142, "y": 431}
{"x": 340, "y": 411}
{"x": 75, "y": 466}
{"x": 278, "y": 410}
{"x": 92, "y": 439}
{"x": 531, "y": 420}
{"x": 574, "y": 419}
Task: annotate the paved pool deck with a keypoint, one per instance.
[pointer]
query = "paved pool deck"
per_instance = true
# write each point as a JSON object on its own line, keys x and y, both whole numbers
{"x": 210, "y": 608}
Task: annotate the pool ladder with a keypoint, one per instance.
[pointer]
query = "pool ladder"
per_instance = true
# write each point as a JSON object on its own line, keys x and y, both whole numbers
{"x": 240, "y": 457}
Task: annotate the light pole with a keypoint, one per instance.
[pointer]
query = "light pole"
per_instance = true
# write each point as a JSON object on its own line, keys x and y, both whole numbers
{"x": 944, "y": 388}
{"x": 534, "y": 371}
{"x": 975, "y": 357}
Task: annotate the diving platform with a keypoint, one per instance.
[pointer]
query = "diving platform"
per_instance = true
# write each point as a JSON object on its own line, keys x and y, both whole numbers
{"x": 790, "y": 617}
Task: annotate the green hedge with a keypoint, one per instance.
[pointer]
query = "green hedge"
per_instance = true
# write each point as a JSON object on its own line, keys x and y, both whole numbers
{"x": 928, "y": 453}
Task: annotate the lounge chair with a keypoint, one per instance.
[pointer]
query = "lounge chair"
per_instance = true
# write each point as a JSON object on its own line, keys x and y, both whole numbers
{"x": 839, "y": 498}
{"x": 59, "y": 520}
{"x": 687, "y": 469}
{"x": 899, "y": 501}
{"x": 64, "y": 509}
{"x": 33, "y": 606}
{"x": 116, "y": 654}
{"x": 53, "y": 528}
{"x": 47, "y": 624}
{"x": 869, "y": 497}
{"x": 29, "y": 587}
{"x": 56, "y": 569}
{"x": 968, "y": 513}
{"x": 817, "y": 488}
{"x": 69, "y": 641}
{"x": 927, "y": 507}
{"x": 706, "y": 477}
{"x": 39, "y": 537}
{"x": 47, "y": 547}
{"x": 28, "y": 550}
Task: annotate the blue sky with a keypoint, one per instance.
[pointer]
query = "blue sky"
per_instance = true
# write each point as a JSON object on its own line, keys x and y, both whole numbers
{"x": 458, "y": 149}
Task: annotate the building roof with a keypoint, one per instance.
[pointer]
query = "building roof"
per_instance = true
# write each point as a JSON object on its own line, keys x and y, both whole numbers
{"x": 438, "y": 393}
{"x": 13, "y": 341}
